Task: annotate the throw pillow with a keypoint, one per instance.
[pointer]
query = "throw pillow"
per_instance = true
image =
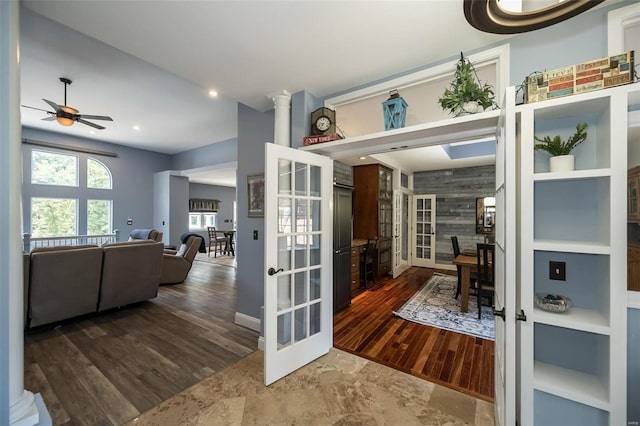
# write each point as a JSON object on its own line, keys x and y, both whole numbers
{"x": 182, "y": 250}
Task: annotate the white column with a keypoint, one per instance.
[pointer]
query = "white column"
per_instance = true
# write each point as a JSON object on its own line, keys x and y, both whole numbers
{"x": 282, "y": 120}
{"x": 21, "y": 403}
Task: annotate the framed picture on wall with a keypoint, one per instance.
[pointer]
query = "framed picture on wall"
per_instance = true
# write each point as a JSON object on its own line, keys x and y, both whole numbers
{"x": 255, "y": 195}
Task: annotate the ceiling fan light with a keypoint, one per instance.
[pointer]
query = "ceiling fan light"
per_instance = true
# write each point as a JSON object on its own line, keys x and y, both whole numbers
{"x": 64, "y": 121}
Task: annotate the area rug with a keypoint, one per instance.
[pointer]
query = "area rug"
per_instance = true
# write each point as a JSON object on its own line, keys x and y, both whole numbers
{"x": 434, "y": 304}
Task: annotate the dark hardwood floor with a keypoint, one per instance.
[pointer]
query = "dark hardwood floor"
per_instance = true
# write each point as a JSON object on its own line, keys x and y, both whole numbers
{"x": 369, "y": 329}
{"x": 106, "y": 369}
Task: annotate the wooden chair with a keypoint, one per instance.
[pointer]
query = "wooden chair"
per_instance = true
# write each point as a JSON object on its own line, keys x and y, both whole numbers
{"x": 485, "y": 275}
{"x": 218, "y": 243}
{"x": 366, "y": 263}
{"x": 456, "y": 252}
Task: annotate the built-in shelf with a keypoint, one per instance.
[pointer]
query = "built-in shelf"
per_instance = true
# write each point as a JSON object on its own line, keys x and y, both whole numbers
{"x": 571, "y": 384}
{"x": 459, "y": 129}
{"x": 572, "y": 175}
{"x": 572, "y": 246}
{"x": 575, "y": 318}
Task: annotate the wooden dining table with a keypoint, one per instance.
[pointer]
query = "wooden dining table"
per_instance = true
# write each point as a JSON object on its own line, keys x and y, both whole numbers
{"x": 468, "y": 263}
{"x": 228, "y": 247}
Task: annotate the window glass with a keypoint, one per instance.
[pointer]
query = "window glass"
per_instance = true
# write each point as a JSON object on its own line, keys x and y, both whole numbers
{"x": 53, "y": 217}
{"x": 195, "y": 221}
{"x": 49, "y": 168}
{"x": 98, "y": 175}
{"x": 98, "y": 217}
{"x": 201, "y": 220}
{"x": 209, "y": 220}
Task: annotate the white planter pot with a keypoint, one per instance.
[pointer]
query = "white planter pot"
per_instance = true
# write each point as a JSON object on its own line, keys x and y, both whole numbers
{"x": 471, "y": 107}
{"x": 562, "y": 163}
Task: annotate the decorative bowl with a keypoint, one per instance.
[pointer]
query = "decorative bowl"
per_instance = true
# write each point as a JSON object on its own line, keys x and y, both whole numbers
{"x": 553, "y": 302}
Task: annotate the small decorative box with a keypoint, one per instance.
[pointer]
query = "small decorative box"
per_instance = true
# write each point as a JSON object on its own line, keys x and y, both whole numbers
{"x": 553, "y": 302}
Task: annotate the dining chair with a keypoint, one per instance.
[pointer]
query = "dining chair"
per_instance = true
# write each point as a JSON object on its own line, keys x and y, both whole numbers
{"x": 456, "y": 252}
{"x": 366, "y": 263}
{"x": 485, "y": 274}
{"x": 218, "y": 243}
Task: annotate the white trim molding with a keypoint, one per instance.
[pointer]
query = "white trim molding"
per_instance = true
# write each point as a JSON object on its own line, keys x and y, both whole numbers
{"x": 633, "y": 299}
{"x": 247, "y": 321}
{"x": 618, "y": 20}
{"x": 498, "y": 55}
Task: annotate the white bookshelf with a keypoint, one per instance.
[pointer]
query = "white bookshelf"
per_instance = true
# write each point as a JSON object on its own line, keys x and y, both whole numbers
{"x": 574, "y": 362}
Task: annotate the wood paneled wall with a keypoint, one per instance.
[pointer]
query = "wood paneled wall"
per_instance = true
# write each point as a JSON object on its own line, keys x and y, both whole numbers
{"x": 456, "y": 191}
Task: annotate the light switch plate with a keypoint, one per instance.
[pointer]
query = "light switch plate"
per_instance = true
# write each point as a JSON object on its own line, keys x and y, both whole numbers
{"x": 557, "y": 271}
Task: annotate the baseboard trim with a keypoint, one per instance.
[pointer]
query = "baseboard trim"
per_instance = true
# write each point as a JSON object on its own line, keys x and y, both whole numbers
{"x": 261, "y": 343}
{"x": 446, "y": 266}
{"x": 247, "y": 321}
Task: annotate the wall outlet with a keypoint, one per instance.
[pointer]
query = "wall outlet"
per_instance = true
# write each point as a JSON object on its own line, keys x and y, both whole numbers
{"x": 129, "y": 221}
{"x": 558, "y": 271}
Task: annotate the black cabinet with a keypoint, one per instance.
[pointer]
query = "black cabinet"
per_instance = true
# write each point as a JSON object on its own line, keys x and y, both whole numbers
{"x": 341, "y": 248}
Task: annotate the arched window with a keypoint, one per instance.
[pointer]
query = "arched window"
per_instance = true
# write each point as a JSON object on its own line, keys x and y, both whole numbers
{"x": 98, "y": 175}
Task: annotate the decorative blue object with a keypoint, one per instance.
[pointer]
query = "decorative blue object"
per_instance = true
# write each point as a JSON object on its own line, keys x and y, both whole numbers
{"x": 394, "y": 111}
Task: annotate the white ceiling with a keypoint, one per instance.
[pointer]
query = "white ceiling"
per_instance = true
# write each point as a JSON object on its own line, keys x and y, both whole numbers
{"x": 151, "y": 63}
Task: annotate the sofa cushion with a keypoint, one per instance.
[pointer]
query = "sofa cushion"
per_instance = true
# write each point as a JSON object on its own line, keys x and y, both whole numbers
{"x": 130, "y": 273}
{"x": 64, "y": 283}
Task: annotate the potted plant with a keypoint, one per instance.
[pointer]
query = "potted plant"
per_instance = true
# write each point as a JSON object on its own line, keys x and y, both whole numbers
{"x": 466, "y": 95}
{"x": 561, "y": 159}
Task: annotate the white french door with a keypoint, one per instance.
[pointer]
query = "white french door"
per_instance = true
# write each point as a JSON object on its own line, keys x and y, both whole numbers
{"x": 423, "y": 231}
{"x": 400, "y": 224}
{"x": 505, "y": 267}
{"x": 298, "y": 279}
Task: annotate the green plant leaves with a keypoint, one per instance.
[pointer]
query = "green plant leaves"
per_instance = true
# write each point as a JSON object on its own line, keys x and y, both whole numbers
{"x": 557, "y": 146}
{"x": 466, "y": 87}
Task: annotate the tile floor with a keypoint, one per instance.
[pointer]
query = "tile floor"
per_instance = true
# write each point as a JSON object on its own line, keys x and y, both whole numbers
{"x": 336, "y": 389}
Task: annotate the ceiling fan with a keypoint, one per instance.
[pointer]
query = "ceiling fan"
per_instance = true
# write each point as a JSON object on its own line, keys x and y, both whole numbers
{"x": 66, "y": 115}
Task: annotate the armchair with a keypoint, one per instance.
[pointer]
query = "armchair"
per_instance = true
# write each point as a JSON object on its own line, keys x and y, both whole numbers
{"x": 176, "y": 265}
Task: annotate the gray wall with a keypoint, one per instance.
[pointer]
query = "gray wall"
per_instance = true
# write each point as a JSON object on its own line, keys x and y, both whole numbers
{"x": 170, "y": 206}
{"x": 254, "y": 130}
{"x": 132, "y": 172}
{"x": 302, "y": 104}
{"x": 226, "y": 195}
{"x": 456, "y": 191}
{"x": 215, "y": 153}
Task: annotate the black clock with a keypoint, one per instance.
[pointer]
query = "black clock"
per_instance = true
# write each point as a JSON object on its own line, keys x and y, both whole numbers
{"x": 323, "y": 121}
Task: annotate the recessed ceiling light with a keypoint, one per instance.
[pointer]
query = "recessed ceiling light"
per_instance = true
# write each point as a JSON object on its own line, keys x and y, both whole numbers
{"x": 363, "y": 158}
{"x": 136, "y": 127}
{"x": 93, "y": 132}
{"x": 213, "y": 93}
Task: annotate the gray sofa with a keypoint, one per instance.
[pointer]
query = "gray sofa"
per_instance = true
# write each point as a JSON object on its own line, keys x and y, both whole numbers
{"x": 65, "y": 282}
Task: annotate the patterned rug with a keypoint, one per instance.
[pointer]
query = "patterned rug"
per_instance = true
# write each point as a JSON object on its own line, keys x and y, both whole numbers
{"x": 434, "y": 305}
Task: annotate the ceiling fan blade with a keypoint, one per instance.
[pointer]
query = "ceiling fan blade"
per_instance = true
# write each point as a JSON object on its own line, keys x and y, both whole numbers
{"x": 38, "y": 109}
{"x": 54, "y": 105}
{"x": 95, "y": 117}
{"x": 88, "y": 123}
{"x": 50, "y": 118}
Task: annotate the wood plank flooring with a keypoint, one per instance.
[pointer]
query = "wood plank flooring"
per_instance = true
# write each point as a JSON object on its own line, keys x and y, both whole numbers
{"x": 107, "y": 369}
{"x": 369, "y": 329}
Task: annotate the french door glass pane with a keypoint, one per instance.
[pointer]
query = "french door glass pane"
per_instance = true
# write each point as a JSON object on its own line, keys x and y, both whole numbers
{"x": 300, "y": 289}
{"x": 284, "y": 330}
{"x": 284, "y": 292}
{"x": 314, "y": 318}
{"x": 284, "y": 253}
{"x": 284, "y": 177}
{"x": 301, "y": 178}
{"x": 314, "y": 181}
{"x": 284, "y": 215}
{"x": 300, "y": 317}
{"x": 314, "y": 284}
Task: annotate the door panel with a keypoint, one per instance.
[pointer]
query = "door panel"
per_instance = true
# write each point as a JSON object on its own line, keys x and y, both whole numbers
{"x": 423, "y": 238}
{"x": 505, "y": 269}
{"x": 298, "y": 280}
